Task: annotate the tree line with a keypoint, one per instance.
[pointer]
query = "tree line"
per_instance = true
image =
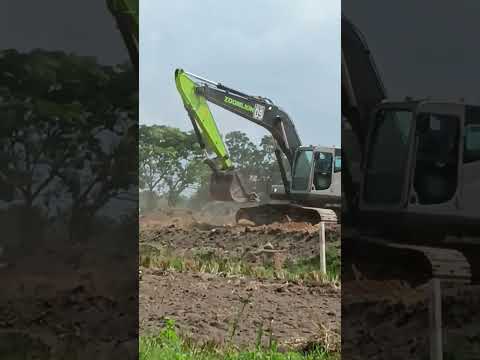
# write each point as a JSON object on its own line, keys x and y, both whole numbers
{"x": 65, "y": 154}
{"x": 172, "y": 167}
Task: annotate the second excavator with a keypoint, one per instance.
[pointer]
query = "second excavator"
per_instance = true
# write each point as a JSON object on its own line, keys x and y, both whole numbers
{"x": 311, "y": 175}
{"x": 411, "y": 180}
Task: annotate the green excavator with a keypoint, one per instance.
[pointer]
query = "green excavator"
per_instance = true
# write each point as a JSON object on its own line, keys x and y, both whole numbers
{"x": 311, "y": 178}
{"x": 313, "y": 188}
{"x": 411, "y": 178}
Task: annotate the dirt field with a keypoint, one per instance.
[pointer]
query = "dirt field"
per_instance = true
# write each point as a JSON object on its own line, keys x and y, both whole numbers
{"x": 389, "y": 320}
{"x": 206, "y": 306}
{"x": 50, "y": 310}
{"x": 185, "y": 233}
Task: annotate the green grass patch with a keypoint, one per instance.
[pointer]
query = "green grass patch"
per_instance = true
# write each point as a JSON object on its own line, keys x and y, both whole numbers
{"x": 168, "y": 345}
{"x": 305, "y": 270}
{"x": 312, "y": 264}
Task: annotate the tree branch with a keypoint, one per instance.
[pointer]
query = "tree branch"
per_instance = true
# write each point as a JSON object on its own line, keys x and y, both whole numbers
{"x": 43, "y": 185}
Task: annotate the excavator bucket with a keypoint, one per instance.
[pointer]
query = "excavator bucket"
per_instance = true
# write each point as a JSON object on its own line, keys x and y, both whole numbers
{"x": 228, "y": 186}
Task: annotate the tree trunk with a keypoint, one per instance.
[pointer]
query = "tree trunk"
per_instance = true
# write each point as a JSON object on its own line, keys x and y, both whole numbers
{"x": 172, "y": 198}
{"x": 150, "y": 200}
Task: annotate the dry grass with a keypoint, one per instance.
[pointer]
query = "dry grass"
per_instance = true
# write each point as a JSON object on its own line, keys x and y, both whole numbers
{"x": 273, "y": 267}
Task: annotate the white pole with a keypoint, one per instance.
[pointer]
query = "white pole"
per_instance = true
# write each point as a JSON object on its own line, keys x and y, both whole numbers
{"x": 323, "y": 261}
{"x": 435, "y": 310}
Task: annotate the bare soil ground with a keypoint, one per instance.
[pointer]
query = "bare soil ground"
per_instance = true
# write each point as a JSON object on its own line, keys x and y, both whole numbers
{"x": 206, "y": 306}
{"x": 386, "y": 319}
{"x": 77, "y": 308}
{"x": 185, "y": 233}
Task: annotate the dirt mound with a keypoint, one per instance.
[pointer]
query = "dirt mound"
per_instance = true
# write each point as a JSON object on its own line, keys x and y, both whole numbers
{"x": 299, "y": 240}
{"x": 205, "y": 306}
{"x": 180, "y": 217}
{"x": 217, "y": 212}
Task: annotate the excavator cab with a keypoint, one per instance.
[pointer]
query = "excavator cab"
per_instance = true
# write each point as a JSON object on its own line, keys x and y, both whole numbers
{"x": 420, "y": 157}
{"x": 315, "y": 170}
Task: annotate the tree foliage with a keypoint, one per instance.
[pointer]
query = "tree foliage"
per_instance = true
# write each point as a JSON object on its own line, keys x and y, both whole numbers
{"x": 170, "y": 161}
{"x": 61, "y": 147}
{"x": 257, "y": 162}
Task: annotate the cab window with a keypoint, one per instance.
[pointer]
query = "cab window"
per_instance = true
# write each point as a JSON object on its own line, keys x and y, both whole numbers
{"x": 471, "y": 150}
{"x": 472, "y": 143}
{"x": 338, "y": 164}
{"x": 322, "y": 177}
{"x": 302, "y": 171}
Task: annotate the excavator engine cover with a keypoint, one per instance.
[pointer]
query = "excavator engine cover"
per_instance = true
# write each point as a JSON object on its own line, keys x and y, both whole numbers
{"x": 228, "y": 186}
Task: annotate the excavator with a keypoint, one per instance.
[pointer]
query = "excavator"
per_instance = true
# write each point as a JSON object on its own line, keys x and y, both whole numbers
{"x": 311, "y": 175}
{"x": 410, "y": 184}
{"x": 317, "y": 170}
{"x": 410, "y": 178}
{"x": 313, "y": 188}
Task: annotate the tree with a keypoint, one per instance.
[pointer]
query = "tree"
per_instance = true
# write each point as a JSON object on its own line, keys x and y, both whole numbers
{"x": 170, "y": 161}
{"x": 154, "y": 153}
{"x": 53, "y": 133}
{"x": 257, "y": 163}
{"x": 243, "y": 152}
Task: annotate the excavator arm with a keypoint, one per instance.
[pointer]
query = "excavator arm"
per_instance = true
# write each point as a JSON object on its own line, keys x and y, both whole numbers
{"x": 203, "y": 123}
{"x": 256, "y": 109}
{"x": 126, "y": 16}
{"x": 362, "y": 90}
{"x": 362, "y": 86}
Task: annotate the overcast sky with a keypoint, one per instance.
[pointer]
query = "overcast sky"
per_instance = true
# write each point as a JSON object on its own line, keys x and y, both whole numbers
{"x": 288, "y": 51}
{"x": 422, "y": 48}
{"x": 83, "y": 27}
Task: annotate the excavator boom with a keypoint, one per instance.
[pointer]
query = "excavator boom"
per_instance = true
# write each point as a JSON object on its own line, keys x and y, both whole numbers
{"x": 226, "y": 183}
{"x": 126, "y": 16}
{"x": 362, "y": 86}
{"x": 202, "y": 119}
{"x": 362, "y": 91}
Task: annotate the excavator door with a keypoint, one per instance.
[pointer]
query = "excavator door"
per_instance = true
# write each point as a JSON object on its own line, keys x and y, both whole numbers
{"x": 314, "y": 170}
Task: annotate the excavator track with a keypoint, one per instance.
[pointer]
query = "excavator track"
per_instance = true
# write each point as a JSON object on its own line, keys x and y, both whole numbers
{"x": 446, "y": 264}
{"x": 285, "y": 212}
{"x": 378, "y": 259}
